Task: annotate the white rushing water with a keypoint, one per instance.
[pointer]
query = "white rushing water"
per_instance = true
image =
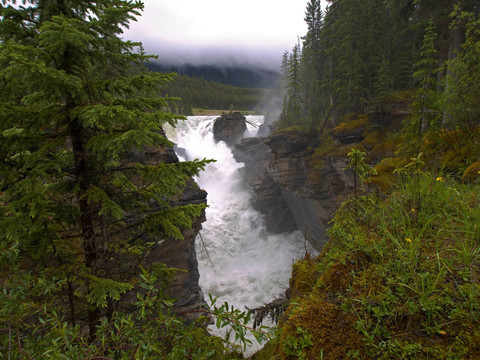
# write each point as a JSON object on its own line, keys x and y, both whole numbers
{"x": 250, "y": 267}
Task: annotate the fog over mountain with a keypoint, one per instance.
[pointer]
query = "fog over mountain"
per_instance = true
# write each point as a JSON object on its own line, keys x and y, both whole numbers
{"x": 267, "y": 57}
{"x": 222, "y": 34}
{"x": 245, "y": 67}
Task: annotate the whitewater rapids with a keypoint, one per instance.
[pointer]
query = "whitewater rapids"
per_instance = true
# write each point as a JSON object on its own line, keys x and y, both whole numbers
{"x": 239, "y": 262}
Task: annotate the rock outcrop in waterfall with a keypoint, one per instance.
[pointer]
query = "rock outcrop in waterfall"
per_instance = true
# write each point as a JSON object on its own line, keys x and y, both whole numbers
{"x": 229, "y": 128}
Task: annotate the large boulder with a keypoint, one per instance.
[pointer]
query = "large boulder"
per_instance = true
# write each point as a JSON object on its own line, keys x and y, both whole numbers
{"x": 229, "y": 128}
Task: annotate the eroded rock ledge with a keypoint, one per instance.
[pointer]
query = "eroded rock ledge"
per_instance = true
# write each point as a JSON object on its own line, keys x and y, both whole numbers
{"x": 256, "y": 155}
{"x": 181, "y": 254}
{"x": 294, "y": 184}
{"x": 278, "y": 170}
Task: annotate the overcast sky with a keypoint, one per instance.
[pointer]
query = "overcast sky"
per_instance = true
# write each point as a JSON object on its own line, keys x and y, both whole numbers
{"x": 256, "y": 31}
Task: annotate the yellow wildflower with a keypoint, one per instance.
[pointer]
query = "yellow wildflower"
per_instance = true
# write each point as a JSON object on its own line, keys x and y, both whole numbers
{"x": 408, "y": 240}
{"x": 439, "y": 178}
{"x": 413, "y": 210}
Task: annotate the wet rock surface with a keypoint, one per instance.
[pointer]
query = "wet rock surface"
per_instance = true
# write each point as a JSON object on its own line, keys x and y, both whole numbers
{"x": 277, "y": 168}
{"x": 177, "y": 253}
{"x": 268, "y": 197}
{"x": 229, "y": 128}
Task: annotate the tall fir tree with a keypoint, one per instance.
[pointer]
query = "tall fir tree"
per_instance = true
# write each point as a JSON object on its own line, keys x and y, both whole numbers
{"x": 78, "y": 210}
{"x": 462, "y": 92}
{"x": 292, "y": 111}
{"x": 312, "y": 63}
{"x": 425, "y": 112}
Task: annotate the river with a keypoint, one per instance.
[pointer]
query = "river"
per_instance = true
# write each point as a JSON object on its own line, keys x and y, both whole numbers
{"x": 239, "y": 261}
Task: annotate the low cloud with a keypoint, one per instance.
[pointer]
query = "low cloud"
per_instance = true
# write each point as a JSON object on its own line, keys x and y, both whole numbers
{"x": 228, "y": 56}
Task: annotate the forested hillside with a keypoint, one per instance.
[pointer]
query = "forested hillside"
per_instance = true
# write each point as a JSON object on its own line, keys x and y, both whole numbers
{"x": 358, "y": 54}
{"x": 196, "y": 92}
{"x": 247, "y": 76}
{"x": 392, "y": 87}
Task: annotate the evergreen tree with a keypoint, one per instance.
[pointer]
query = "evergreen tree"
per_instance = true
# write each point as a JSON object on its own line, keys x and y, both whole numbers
{"x": 312, "y": 63}
{"x": 462, "y": 93}
{"x": 424, "y": 105}
{"x": 78, "y": 211}
{"x": 293, "y": 106}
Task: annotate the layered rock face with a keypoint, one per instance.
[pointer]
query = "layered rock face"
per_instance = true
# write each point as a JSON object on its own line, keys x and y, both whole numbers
{"x": 311, "y": 201}
{"x": 290, "y": 180}
{"x": 268, "y": 198}
{"x": 277, "y": 169}
{"x": 180, "y": 254}
{"x": 229, "y": 128}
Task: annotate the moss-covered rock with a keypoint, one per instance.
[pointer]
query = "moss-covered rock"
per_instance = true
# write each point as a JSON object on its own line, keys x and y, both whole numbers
{"x": 352, "y": 129}
{"x": 385, "y": 177}
{"x": 352, "y": 123}
{"x": 304, "y": 277}
{"x": 472, "y": 173}
{"x": 317, "y": 328}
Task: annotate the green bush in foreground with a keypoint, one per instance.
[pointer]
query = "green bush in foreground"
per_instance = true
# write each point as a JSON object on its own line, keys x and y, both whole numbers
{"x": 402, "y": 271}
{"x": 147, "y": 331}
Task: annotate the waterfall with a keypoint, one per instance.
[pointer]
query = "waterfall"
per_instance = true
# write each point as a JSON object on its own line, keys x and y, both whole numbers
{"x": 239, "y": 262}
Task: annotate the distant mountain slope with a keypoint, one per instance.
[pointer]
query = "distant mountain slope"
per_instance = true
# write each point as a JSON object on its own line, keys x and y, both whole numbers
{"x": 196, "y": 92}
{"x": 248, "y": 77}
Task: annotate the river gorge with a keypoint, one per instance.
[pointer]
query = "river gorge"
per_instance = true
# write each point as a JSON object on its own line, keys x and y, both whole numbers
{"x": 239, "y": 261}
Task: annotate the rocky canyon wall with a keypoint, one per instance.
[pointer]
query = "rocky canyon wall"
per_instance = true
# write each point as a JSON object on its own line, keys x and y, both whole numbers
{"x": 177, "y": 253}
{"x": 279, "y": 171}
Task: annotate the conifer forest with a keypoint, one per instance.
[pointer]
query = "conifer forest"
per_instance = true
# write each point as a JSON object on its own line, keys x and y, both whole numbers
{"x": 90, "y": 186}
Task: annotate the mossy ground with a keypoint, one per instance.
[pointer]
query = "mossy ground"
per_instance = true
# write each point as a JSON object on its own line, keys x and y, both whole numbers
{"x": 351, "y": 123}
{"x": 378, "y": 143}
{"x": 400, "y": 278}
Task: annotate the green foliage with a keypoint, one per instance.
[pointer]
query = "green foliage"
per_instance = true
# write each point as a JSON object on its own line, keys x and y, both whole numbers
{"x": 81, "y": 204}
{"x": 407, "y": 274}
{"x": 294, "y": 346}
{"x": 361, "y": 170}
{"x": 148, "y": 330}
{"x": 401, "y": 271}
{"x": 357, "y": 54}
{"x": 237, "y": 322}
{"x": 462, "y": 85}
{"x": 426, "y": 115}
{"x": 292, "y": 110}
{"x": 356, "y": 162}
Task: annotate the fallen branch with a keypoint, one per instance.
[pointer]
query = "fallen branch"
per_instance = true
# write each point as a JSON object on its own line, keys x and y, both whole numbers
{"x": 273, "y": 310}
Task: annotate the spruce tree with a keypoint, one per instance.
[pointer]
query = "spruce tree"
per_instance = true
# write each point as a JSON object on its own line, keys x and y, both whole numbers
{"x": 80, "y": 203}
{"x": 312, "y": 63}
{"x": 425, "y": 111}
{"x": 293, "y": 104}
{"x": 462, "y": 93}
